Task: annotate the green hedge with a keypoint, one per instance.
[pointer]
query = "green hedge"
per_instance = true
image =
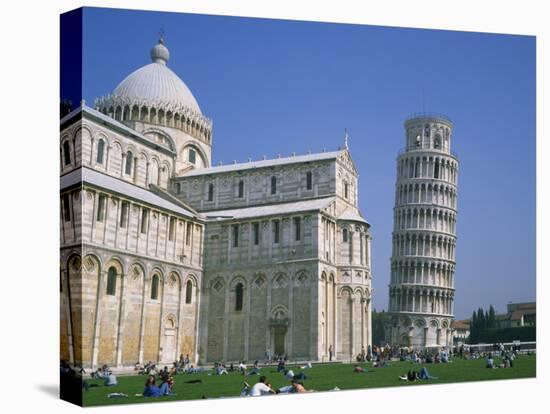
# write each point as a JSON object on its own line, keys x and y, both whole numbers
{"x": 525, "y": 333}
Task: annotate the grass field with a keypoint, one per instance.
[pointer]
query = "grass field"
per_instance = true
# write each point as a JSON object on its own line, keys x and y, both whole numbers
{"x": 322, "y": 378}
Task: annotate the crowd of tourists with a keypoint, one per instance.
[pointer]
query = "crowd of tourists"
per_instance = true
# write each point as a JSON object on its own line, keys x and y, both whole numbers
{"x": 160, "y": 382}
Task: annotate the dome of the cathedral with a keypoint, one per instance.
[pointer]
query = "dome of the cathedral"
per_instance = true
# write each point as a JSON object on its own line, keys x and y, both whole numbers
{"x": 157, "y": 84}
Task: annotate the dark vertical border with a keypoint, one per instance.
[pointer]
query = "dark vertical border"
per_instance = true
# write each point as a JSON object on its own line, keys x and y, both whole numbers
{"x": 70, "y": 381}
{"x": 71, "y": 60}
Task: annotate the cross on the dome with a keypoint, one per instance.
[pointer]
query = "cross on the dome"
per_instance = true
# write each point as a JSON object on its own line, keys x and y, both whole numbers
{"x": 161, "y": 35}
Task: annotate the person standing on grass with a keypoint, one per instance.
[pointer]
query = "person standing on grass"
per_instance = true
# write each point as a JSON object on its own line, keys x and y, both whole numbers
{"x": 330, "y": 353}
{"x": 490, "y": 362}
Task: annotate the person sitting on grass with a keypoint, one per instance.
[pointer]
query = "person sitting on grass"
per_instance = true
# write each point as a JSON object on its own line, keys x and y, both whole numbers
{"x": 110, "y": 380}
{"x": 425, "y": 375}
{"x": 166, "y": 387}
{"x": 490, "y": 362}
{"x": 98, "y": 374}
{"x": 308, "y": 365}
{"x": 164, "y": 374}
{"x": 220, "y": 369}
{"x": 255, "y": 370}
{"x": 300, "y": 376}
{"x": 411, "y": 376}
{"x": 289, "y": 373}
{"x": 260, "y": 388}
{"x": 151, "y": 389}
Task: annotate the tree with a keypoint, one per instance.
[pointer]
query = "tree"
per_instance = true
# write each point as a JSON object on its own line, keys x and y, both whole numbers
{"x": 481, "y": 318}
{"x": 473, "y": 328}
{"x": 481, "y": 321}
{"x": 378, "y": 334}
{"x": 492, "y": 320}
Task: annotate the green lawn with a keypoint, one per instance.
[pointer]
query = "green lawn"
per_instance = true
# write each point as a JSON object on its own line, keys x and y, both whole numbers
{"x": 323, "y": 377}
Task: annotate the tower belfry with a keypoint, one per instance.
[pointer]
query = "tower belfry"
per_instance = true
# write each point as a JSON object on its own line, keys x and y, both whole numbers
{"x": 421, "y": 290}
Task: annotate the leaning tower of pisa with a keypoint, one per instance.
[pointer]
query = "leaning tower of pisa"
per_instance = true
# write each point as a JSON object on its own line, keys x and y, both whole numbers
{"x": 424, "y": 236}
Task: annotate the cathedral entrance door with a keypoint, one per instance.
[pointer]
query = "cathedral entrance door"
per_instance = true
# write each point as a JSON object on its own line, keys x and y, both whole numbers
{"x": 169, "y": 350}
{"x": 279, "y": 339}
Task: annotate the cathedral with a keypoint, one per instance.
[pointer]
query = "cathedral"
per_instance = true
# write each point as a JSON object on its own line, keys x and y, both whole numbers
{"x": 164, "y": 254}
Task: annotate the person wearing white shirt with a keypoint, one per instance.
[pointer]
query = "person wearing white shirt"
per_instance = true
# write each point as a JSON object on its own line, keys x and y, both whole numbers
{"x": 260, "y": 388}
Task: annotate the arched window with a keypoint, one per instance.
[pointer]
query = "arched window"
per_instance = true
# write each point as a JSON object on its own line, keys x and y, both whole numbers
{"x": 111, "y": 281}
{"x": 239, "y": 297}
{"x": 241, "y": 189}
{"x": 188, "y": 292}
{"x": 437, "y": 142}
{"x": 100, "y": 151}
{"x": 155, "y": 287}
{"x": 273, "y": 185}
{"x": 345, "y": 235}
{"x": 129, "y": 160}
{"x": 192, "y": 156}
{"x": 346, "y": 190}
{"x": 67, "y": 152}
{"x": 309, "y": 180}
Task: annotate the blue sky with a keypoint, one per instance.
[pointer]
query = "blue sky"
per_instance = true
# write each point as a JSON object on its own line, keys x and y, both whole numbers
{"x": 274, "y": 86}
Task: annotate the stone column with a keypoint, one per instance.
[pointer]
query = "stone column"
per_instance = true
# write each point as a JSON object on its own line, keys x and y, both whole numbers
{"x": 352, "y": 330}
{"x": 268, "y": 316}
{"x": 121, "y": 318}
{"x": 97, "y": 319}
{"x": 369, "y": 322}
{"x": 123, "y": 164}
{"x": 246, "y": 338}
{"x": 162, "y": 285}
{"x": 68, "y": 314}
{"x": 142, "y": 318}
{"x": 426, "y": 336}
{"x": 226, "y": 322}
{"x": 179, "y": 324}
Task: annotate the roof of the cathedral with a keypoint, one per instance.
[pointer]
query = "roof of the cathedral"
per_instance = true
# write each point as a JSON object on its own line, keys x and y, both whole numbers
{"x": 156, "y": 84}
{"x": 351, "y": 214}
{"x": 269, "y": 210}
{"x": 115, "y": 185}
{"x": 263, "y": 163}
